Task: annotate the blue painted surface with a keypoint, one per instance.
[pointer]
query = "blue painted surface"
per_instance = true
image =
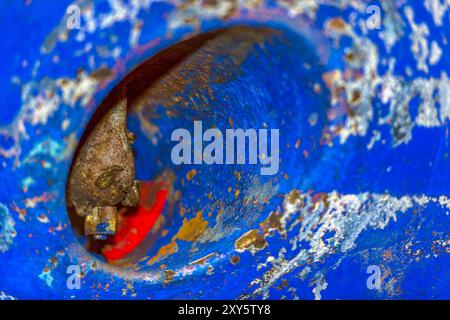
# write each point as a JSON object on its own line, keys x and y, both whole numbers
{"x": 273, "y": 87}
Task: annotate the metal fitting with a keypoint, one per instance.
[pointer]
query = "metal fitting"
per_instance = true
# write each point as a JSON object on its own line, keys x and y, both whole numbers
{"x": 103, "y": 174}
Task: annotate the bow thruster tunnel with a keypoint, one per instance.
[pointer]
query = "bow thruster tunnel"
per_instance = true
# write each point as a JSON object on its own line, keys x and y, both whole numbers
{"x": 93, "y": 205}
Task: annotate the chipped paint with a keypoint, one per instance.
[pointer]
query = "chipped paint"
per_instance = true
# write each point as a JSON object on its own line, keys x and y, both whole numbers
{"x": 7, "y": 229}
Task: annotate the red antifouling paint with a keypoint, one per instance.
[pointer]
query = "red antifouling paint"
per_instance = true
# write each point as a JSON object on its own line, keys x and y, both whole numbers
{"x": 136, "y": 223}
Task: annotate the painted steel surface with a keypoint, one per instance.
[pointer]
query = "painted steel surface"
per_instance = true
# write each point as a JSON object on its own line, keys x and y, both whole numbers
{"x": 363, "y": 117}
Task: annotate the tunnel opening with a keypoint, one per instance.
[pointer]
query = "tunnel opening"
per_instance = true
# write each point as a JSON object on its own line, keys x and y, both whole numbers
{"x": 238, "y": 77}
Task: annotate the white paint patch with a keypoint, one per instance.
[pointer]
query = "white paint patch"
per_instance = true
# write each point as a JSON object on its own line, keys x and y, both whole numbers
{"x": 7, "y": 229}
{"x": 438, "y": 9}
{"x": 419, "y": 42}
{"x": 332, "y": 224}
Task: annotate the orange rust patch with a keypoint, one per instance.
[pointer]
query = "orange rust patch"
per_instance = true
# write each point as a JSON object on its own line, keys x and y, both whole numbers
{"x": 271, "y": 223}
{"x": 387, "y": 255}
{"x": 192, "y": 229}
{"x": 336, "y": 24}
{"x": 191, "y": 174}
{"x": 293, "y": 196}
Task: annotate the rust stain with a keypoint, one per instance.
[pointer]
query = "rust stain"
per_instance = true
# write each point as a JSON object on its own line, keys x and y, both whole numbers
{"x": 271, "y": 223}
{"x": 164, "y": 252}
{"x": 191, "y": 174}
{"x": 337, "y": 25}
{"x": 293, "y": 196}
{"x": 194, "y": 63}
{"x": 169, "y": 274}
{"x": 252, "y": 241}
{"x": 235, "y": 260}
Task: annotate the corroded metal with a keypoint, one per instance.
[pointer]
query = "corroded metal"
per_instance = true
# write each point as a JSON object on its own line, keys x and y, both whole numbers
{"x": 103, "y": 174}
